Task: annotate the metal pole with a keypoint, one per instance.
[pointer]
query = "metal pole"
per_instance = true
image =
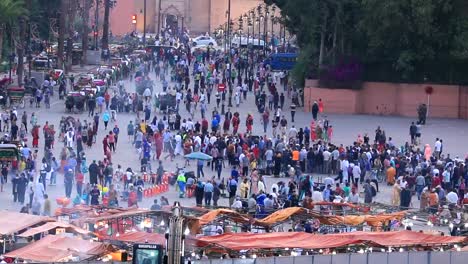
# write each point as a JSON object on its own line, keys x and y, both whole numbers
{"x": 96, "y": 30}
{"x": 230, "y": 54}
{"x": 144, "y": 23}
{"x": 265, "y": 30}
{"x": 159, "y": 18}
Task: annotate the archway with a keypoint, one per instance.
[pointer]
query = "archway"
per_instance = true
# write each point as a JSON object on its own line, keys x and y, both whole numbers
{"x": 172, "y": 22}
{"x": 171, "y": 18}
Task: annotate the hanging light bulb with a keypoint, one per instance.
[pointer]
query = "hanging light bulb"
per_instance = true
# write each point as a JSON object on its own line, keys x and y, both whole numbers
{"x": 254, "y": 256}
{"x": 187, "y": 231}
{"x": 162, "y": 223}
{"x": 334, "y": 252}
{"x": 451, "y": 225}
{"x": 361, "y": 251}
{"x": 401, "y": 250}
{"x": 382, "y": 249}
{"x": 320, "y": 251}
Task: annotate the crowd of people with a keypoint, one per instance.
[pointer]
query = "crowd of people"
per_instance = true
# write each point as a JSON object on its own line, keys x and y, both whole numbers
{"x": 211, "y": 91}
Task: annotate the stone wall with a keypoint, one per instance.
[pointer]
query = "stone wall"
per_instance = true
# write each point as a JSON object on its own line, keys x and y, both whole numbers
{"x": 377, "y": 98}
{"x": 200, "y": 15}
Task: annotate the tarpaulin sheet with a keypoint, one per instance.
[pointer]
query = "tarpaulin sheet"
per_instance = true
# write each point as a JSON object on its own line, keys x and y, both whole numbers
{"x": 12, "y": 222}
{"x": 353, "y": 220}
{"x": 140, "y": 237}
{"x": 196, "y": 223}
{"x": 56, "y": 248}
{"x": 52, "y": 225}
{"x": 248, "y": 241}
{"x": 285, "y": 214}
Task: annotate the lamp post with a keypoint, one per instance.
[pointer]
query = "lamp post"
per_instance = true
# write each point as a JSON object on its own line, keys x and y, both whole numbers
{"x": 144, "y": 22}
{"x": 239, "y": 57}
{"x": 230, "y": 54}
{"x": 260, "y": 18}
{"x": 265, "y": 29}
{"x": 273, "y": 22}
{"x": 159, "y": 18}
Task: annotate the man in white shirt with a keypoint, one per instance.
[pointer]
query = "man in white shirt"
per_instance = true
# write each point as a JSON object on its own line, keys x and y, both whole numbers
{"x": 344, "y": 169}
{"x": 326, "y": 161}
{"x": 356, "y": 173}
{"x": 437, "y": 148}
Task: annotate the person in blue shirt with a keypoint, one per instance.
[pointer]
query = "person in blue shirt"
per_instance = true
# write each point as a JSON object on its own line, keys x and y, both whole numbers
{"x": 235, "y": 173}
{"x": 214, "y": 124}
{"x": 105, "y": 118}
{"x": 116, "y": 131}
{"x": 200, "y": 164}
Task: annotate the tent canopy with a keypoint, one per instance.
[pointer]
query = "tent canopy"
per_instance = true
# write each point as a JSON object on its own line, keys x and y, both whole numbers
{"x": 55, "y": 248}
{"x": 286, "y": 214}
{"x": 12, "y": 222}
{"x": 52, "y": 225}
{"x": 140, "y": 237}
{"x": 250, "y": 241}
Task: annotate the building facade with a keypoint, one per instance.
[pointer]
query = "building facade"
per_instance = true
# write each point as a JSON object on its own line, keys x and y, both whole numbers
{"x": 198, "y": 16}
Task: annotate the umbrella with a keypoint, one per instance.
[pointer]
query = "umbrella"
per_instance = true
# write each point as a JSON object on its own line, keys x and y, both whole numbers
{"x": 198, "y": 156}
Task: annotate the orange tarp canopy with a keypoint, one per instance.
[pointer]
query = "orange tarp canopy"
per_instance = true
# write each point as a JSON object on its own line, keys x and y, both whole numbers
{"x": 401, "y": 238}
{"x": 209, "y": 217}
{"x": 52, "y": 225}
{"x": 140, "y": 237}
{"x": 371, "y": 220}
{"x": 285, "y": 214}
{"x": 248, "y": 241}
{"x": 12, "y": 222}
{"x": 116, "y": 214}
{"x": 56, "y": 248}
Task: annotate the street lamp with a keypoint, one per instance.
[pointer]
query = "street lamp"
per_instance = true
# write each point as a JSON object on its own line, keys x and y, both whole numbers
{"x": 265, "y": 29}
{"x": 230, "y": 54}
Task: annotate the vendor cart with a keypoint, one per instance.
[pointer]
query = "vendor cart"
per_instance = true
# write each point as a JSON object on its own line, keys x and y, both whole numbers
{"x": 16, "y": 97}
{"x": 9, "y": 152}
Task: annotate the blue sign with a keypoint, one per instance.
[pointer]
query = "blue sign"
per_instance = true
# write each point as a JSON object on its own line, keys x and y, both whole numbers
{"x": 282, "y": 61}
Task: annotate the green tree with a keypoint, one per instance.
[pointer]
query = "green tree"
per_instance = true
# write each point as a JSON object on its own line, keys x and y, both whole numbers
{"x": 396, "y": 40}
{"x": 10, "y": 11}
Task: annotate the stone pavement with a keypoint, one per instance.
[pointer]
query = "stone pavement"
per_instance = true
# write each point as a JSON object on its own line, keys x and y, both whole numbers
{"x": 346, "y": 129}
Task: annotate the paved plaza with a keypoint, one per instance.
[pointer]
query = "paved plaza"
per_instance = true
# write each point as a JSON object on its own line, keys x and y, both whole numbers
{"x": 346, "y": 130}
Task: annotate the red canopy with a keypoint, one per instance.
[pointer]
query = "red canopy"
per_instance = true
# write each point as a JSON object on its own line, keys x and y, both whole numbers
{"x": 57, "y": 248}
{"x": 140, "y": 237}
{"x": 248, "y": 241}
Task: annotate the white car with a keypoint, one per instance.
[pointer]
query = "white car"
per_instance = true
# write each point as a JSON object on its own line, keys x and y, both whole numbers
{"x": 204, "y": 41}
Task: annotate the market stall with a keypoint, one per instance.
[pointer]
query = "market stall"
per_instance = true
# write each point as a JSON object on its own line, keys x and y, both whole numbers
{"x": 343, "y": 242}
{"x": 60, "y": 249}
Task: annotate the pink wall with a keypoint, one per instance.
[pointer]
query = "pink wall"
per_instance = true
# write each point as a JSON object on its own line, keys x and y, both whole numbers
{"x": 391, "y": 99}
{"x": 121, "y": 17}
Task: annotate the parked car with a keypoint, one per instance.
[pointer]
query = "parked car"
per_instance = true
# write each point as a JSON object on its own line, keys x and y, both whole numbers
{"x": 204, "y": 41}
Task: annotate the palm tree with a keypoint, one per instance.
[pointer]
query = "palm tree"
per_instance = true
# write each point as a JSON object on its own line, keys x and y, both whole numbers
{"x": 10, "y": 10}
{"x": 105, "y": 27}
{"x": 85, "y": 34}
